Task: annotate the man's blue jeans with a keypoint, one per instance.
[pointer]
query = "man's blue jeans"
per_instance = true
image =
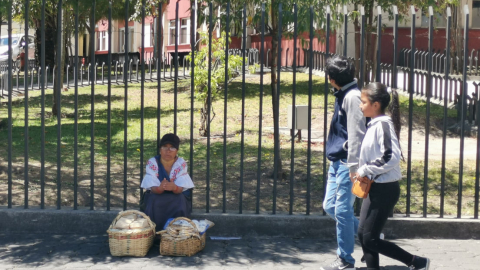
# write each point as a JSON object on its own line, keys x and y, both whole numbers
{"x": 338, "y": 204}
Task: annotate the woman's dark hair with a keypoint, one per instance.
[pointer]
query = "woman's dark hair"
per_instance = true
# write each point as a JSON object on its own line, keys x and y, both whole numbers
{"x": 378, "y": 92}
{"x": 169, "y": 138}
{"x": 340, "y": 69}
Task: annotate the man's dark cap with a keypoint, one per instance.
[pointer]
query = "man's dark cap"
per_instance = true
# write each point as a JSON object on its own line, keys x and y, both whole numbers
{"x": 170, "y": 138}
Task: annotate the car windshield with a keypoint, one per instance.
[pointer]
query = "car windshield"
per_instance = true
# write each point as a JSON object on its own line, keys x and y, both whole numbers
{"x": 4, "y": 41}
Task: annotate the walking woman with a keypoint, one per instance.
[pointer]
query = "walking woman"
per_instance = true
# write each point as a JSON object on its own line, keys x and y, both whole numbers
{"x": 380, "y": 157}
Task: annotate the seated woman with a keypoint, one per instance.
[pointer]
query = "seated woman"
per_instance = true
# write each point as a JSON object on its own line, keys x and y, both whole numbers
{"x": 167, "y": 183}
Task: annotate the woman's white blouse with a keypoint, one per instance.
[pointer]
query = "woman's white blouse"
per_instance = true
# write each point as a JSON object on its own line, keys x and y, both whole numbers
{"x": 178, "y": 175}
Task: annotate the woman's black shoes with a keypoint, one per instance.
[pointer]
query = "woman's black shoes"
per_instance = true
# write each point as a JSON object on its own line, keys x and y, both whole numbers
{"x": 420, "y": 263}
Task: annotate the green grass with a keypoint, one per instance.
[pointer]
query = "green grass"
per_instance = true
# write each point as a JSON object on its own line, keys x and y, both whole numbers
{"x": 233, "y": 180}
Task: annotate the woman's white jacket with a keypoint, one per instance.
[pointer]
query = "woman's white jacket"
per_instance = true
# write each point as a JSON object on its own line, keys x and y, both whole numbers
{"x": 380, "y": 153}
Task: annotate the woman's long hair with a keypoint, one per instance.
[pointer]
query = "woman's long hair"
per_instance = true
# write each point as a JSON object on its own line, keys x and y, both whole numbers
{"x": 378, "y": 92}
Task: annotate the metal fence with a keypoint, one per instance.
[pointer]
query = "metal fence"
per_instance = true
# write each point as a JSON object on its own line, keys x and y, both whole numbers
{"x": 426, "y": 74}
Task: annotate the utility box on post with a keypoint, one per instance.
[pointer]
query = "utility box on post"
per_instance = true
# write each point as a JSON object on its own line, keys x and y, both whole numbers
{"x": 301, "y": 119}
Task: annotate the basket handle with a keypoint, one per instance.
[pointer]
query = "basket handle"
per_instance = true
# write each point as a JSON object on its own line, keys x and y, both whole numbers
{"x": 186, "y": 219}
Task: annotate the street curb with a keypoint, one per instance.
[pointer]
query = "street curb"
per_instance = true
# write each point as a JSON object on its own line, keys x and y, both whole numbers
{"x": 50, "y": 221}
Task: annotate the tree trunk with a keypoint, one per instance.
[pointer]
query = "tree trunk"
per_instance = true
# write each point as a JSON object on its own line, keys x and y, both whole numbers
{"x": 204, "y": 118}
{"x": 275, "y": 91}
{"x": 50, "y": 40}
{"x": 457, "y": 45}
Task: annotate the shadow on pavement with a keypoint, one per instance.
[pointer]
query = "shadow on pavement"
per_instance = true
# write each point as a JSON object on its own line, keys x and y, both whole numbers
{"x": 53, "y": 251}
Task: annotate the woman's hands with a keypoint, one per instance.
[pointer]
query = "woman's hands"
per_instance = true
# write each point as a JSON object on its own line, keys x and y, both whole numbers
{"x": 353, "y": 176}
{"x": 167, "y": 185}
{"x": 356, "y": 177}
{"x": 164, "y": 185}
{"x": 170, "y": 186}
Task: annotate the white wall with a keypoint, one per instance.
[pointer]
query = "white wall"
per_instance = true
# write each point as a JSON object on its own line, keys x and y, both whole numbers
{"x": 16, "y": 29}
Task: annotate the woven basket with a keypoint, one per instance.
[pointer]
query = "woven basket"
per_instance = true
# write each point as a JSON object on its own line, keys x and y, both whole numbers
{"x": 185, "y": 247}
{"x": 131, "y": 243}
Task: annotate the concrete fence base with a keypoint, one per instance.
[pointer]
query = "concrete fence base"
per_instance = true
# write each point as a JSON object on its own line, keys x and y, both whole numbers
{"x": 50, "y": 221}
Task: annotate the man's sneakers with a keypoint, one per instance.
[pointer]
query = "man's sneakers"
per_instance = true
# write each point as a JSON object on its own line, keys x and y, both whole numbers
{"x": 340, "y": 264}
{"x": 420, "y": 263}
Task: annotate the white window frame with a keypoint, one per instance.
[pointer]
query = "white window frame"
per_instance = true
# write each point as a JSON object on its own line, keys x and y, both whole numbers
{"x": 475, "y": 15}
{"x": 147, "y": 38}
{"x": 121, "y": 38}
{"x": 186, "y": 26}
{"x": 103, "y": 41}
{"x": 170, "y": 29}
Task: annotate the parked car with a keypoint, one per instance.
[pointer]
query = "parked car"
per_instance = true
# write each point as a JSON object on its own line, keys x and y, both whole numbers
{"x": 19, "y": 41}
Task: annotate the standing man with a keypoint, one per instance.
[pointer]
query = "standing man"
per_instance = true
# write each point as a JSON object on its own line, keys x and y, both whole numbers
{"x": 343, "y": 149}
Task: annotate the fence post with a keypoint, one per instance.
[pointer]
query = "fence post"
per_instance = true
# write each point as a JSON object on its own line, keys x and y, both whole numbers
{"x": 53, "y": 77}
{"x": 225, "y": 111}
{"x": 59, "y": 96}
{"x": 184, "y": 66}
{"x": 46, "y": 77}
{"x": 276, "y": 112}
{"x": 125, "y": 113}
{"x": 68, "y": 81}
{"x": 95, "y": 74}
{"x": 477, "y": 169}
{"x": 466, "y": 12}
{"x": 32, "y": 71}
{"x": 286, "y": 57}
{"x": 138, "y": 61}
{"x": 39, "y": 75}
{"x": 150, "y": 68}
{"x": 75, "y": 128}
{"x": 471, "y": 62}
{"x": 266, "y": 62}
{"x": 116, "y": 71}
{"x": 345, "y": 30}
{"x": 130, "y": 68}
{"x": 192, "y": 79}
{"x": 294, "y": 93}
{"x": 429, "y": 94}
{"x": 325, "y": 104}
{"x": 103, "y": 65}
{"x": 476, "y": 65}
{"x": 109, "y": 101}
{"x": 395, "y": 48}
{"x": 88, "y": 72}
{"x": 26, "y": 99}
{"x": 410, "y": 107}
{"x": 362, "y": 48}
{"x": 10, "y": 116}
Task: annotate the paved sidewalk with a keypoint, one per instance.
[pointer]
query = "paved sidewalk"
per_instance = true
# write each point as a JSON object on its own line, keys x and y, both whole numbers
{"x": 27, "y": 251}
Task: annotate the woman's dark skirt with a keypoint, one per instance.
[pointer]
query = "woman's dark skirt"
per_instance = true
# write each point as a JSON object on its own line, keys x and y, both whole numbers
{"x": 161, "y": 207}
